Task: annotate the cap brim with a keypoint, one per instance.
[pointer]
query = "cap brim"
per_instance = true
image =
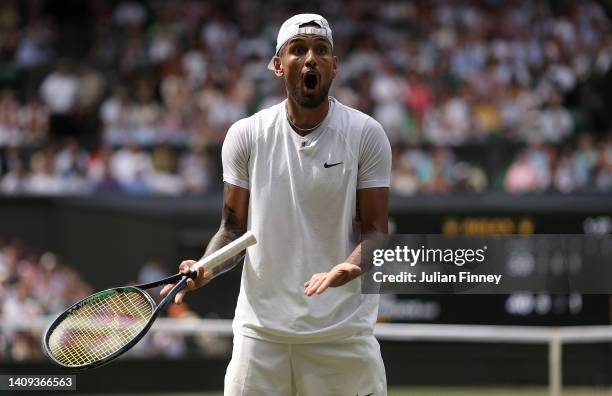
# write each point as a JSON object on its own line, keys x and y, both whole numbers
{"x": 271, "y": 64}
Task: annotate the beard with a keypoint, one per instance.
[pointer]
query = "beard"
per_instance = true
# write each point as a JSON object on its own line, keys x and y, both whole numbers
{"x": 309, "y": 101}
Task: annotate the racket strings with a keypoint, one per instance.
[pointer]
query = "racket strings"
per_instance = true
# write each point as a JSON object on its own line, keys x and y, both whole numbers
{"x": 99, "y": 327}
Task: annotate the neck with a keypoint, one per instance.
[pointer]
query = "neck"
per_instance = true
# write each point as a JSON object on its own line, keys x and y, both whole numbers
{"x": 303, "y": 119}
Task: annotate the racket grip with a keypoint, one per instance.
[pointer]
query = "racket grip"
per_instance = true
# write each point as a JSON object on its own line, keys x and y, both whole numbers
{"x": 226, "y": 252}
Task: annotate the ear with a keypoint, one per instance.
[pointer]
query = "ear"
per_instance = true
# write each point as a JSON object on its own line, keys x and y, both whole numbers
{"x": 278, "y": 67}
{"x": 335, "y": 66}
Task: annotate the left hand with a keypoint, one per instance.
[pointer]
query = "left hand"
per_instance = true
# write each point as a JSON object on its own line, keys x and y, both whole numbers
{"x": 337, "y": 276}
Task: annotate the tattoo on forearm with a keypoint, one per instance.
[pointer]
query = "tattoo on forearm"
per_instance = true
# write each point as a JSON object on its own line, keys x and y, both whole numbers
{"x": 230, "y": 220}
{"x": 231, "y": 228}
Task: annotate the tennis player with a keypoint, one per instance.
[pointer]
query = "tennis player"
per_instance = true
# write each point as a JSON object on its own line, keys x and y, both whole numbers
{"x": 308, "y": 176}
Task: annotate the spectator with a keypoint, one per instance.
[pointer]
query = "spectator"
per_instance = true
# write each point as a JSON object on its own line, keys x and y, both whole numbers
{"x": 487, "y": 117}
{"x": 139, "y": 184}
{"x": 130, "y": 14}
{"x": 468, "y": 178}
{"x": 59, "y": 92}
{"x": 163, "y": 46}
{"x": 176, "y": 124}
{"x": 195, "y": 65}
{"x": 163, "y": 159}
{"x": 417, "y": 96}
{"x": 538, "y": 156}
{"x": 144, "y": 115}
{"x": 404, "y": 180}
{"x": 43, "y": 179}
{"x": 133, "y": 57}
{"x": 9, "y": 27}
{"x": 115, "y": 116}
{"x": 195, "y": 169}
{"x": 564, "y": 177}
{"x": 387, "y": 87}
{"x": 33, "y": 49}
{"x": 584, "y": 161}
{"x": 71, "y": 159}
{"x": 14, "y": 181}
{"x": 602, "y": 172}
{"x": 131, "y": 164}
{"x": 521, "y": 177}
{"x": 9, "y": 126}
{"x": 164, "y": 179}
{"x": 439, "y": 181}
{"x": 219, "y": 36}
{"x": 91, "y": 87}
{"x": 555, "y": 121}
{"x": 34, "y": 121}
{"x": 106, "y": 182}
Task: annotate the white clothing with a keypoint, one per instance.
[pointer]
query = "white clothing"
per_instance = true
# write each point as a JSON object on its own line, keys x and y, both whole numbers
{"x": 302, "y": 209}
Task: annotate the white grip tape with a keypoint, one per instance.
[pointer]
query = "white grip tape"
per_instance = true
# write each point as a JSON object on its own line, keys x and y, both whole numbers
{"x": 226, "y": 252}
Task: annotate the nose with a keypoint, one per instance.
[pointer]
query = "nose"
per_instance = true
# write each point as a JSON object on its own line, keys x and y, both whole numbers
{"x": 311, "y": 59}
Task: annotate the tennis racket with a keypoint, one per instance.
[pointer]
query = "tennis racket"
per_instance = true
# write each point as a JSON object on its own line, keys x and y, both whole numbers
{"x": 107, "y": 324}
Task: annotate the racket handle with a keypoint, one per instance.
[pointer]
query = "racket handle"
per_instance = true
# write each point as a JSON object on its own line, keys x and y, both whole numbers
{"x": 228, "y": 251}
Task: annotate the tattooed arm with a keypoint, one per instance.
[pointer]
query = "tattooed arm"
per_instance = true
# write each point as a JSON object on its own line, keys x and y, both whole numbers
{"x": 233, "y": 225}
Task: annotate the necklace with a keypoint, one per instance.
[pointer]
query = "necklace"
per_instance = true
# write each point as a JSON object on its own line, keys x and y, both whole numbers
{"x": 304, "y": 130}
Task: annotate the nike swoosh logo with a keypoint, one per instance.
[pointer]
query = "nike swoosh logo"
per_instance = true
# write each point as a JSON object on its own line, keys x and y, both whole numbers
{"x": 326, "y": 165}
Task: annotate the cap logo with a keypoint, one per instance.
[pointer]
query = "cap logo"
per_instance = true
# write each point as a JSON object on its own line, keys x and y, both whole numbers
{"x": 319, "y": 31}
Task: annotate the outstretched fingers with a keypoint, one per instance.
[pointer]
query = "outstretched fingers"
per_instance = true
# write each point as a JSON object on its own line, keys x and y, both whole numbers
{"x": 325, "y": 283}
{"x": 338, "y": 276}
{"x": 313, "y": 284}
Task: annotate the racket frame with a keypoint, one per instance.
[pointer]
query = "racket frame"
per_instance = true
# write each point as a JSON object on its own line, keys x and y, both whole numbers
{"x": 182, "y": 282}
{"x": 209, "y": 262}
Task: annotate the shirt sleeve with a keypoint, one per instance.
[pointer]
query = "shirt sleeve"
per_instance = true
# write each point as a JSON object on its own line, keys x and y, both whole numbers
{"x": 235, "y": 155}
{"x": 374, "y": 157}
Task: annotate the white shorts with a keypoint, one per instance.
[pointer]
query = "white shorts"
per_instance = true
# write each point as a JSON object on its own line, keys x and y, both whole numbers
{"x": 348, "y": 367}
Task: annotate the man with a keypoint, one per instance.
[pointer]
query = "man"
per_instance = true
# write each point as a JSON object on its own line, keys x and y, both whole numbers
{"x": 307, "y": 176}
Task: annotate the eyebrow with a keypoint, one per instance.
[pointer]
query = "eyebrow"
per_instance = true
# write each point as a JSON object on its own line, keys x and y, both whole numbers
{"x": 298, "y": 39}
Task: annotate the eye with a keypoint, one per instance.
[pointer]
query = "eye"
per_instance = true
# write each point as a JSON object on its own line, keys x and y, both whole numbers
{"x": 322, "y": 50}
{"x": 298, "y": 50}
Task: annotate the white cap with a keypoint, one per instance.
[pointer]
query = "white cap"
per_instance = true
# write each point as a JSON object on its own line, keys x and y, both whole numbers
{"x": 291, "y": 27}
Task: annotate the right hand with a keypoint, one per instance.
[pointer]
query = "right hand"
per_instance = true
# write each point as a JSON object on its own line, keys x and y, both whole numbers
{"x": 200, "y": 280}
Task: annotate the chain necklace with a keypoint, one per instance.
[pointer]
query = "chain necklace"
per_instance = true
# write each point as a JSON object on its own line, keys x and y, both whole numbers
{"x": 304, "y": 130}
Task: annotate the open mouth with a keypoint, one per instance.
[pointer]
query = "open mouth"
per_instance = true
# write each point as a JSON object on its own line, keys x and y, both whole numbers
{"x": 310, "y": 81}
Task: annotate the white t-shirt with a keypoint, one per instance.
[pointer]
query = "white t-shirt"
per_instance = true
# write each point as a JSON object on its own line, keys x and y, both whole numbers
{"x": 302, "y": 210}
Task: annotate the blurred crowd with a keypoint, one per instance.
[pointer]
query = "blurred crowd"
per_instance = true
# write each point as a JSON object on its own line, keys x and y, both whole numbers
{"x": 540, "y": 168}
{"x": 69, "y": 169}
{"x": 31, "y": 286}
{"x": 162, "y": 169}
{"x": 434, "y": 171}
{"x": 156, "y": 76}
